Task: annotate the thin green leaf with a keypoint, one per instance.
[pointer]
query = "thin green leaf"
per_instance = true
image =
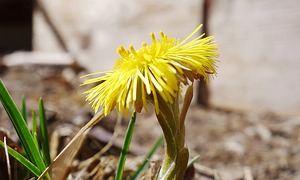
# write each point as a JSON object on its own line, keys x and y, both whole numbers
{"x": 192, "y": 161}
{"x": 24, "y": 114}
{"x": 34, "y": 130}
{"x": 25, "y": 162}
{"x": 21, "y": 128}
{"x": 140, "y": 169}
{"x": 186, "y": 104}
{"x": 125, "y": 148}
{"x": 24, "y": 109}
{"x": 44, "y": 133}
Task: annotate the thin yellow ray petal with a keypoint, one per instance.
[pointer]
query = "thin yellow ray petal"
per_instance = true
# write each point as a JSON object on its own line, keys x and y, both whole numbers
{"x": 134, "y": 88}
{"x": 156, "y": 106}
{"x": 189, "y": 36}
{"x": 144, "y": 97}
{"x": 156, "y": 84}
{"x": 145, "y": 80}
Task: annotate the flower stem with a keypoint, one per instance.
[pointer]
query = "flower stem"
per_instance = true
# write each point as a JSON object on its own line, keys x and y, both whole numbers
{"x": 125, "y": 148}
{"x": 172, "y": 121}
{"x": 176, "y": 155}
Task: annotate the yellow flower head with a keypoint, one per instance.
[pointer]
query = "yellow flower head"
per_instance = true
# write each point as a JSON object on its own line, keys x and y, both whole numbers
{"x": 154, "y": 71}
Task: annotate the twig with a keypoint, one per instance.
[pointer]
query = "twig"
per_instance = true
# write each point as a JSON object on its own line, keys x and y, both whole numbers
{"x": 52, "y": 26}
{"x": 203, "y": 91}
{"x": 7, "y": 159}
{"x": 247, "y": 173}
{"x": 61, "y": 41}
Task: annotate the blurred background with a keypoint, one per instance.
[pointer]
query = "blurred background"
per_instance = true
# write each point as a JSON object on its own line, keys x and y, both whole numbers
{"x": 253, "y": 122}
{"x": 258, "y": 40}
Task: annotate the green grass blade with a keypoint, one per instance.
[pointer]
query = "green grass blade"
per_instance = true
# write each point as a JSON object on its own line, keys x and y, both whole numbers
{"x": 24, "y": 114}
{"x": 192, "y": 161}
{"x": 24, "y": 109}
{"x": 25, "y": 162}
{"x": 158, "y": 144}
{"x": 44, "y": 133}
{"x": 21, "y": 128}
{"x": 34, "y": 130}
{"x": 125, "y": 148}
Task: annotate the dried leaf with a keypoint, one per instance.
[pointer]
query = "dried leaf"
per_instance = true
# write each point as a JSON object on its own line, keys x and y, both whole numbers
{"x": 59, "y": 168}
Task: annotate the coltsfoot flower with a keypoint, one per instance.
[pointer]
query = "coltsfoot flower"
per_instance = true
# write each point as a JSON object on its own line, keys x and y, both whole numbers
{"x": 151, "y": 71}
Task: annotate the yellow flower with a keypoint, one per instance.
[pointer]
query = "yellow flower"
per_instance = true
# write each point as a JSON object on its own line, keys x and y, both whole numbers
{"x": 154, "y": 71}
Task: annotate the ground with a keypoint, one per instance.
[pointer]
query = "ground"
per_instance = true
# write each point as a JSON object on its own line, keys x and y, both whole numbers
{"x": 231, "y": 143}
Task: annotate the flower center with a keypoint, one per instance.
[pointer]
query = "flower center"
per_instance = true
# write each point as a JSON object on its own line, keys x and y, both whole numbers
{"x": 147, "y": 55}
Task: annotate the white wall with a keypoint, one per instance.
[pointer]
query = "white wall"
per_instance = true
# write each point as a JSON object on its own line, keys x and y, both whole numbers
{"x": 259, "y": 53}
{"x": 259, "y": 41}
{"x": 106, "y": 24}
